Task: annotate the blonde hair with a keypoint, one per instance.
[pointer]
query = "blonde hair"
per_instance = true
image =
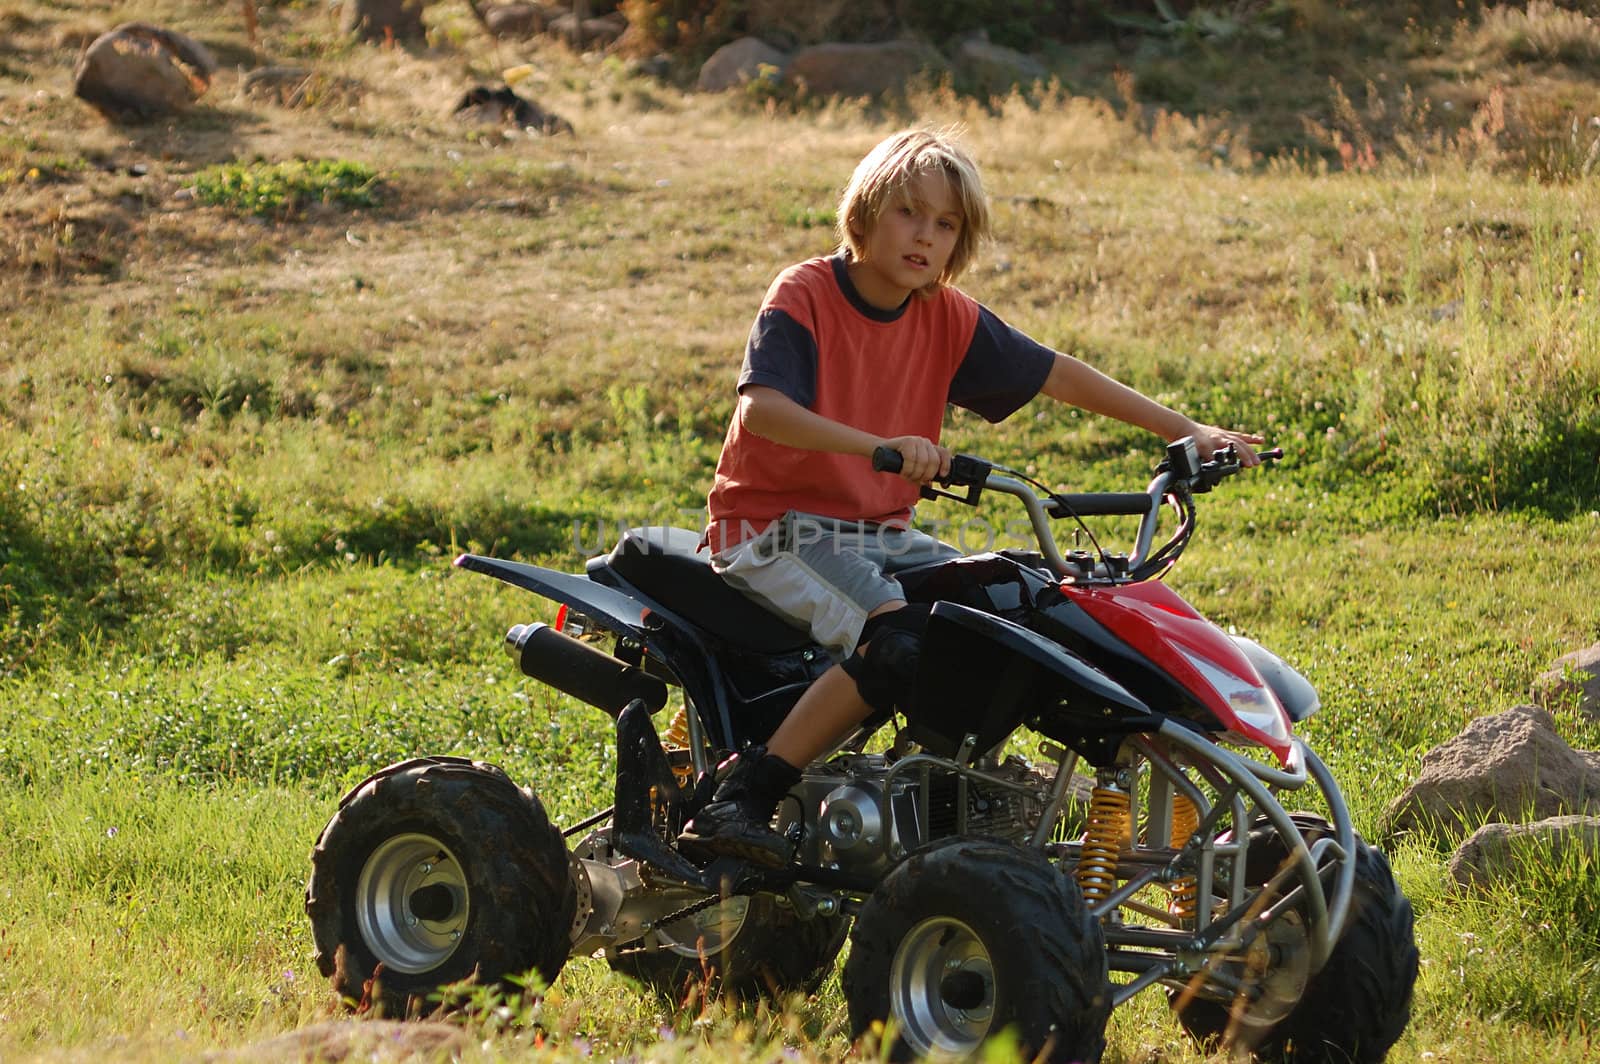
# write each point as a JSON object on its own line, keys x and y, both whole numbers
{"x": 885, "y": 174}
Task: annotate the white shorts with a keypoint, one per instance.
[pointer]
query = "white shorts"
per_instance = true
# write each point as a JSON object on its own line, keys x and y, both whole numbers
{"x": 827, "y": 575}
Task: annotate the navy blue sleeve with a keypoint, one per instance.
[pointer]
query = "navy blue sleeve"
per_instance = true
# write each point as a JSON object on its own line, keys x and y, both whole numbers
{"x": 782, "y": 354}
{"x": 1001, "y": 371}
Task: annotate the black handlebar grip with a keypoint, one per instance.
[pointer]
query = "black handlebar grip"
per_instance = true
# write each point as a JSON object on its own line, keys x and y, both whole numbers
{"x": 887, "y": 460}
{"x": 1099, "y": 504}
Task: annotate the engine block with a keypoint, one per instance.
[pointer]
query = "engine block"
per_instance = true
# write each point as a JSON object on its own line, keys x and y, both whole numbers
{"x": 858, "y": 816}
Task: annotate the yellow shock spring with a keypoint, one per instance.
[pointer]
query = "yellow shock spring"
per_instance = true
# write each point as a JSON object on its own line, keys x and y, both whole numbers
{"x": 1185, "y": 891}
{"x": 677, "y": 740}
{"x": 677, "y": 736}
{"x": 1109, "y": 826}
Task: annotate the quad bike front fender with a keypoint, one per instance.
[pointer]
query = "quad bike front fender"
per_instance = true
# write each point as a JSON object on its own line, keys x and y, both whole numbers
{"x": 981, "y": 676}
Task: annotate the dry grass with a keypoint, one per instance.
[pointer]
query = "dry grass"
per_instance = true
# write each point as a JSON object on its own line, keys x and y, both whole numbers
{"x": 223, "y": 432}
{"x": 1539, "y": 31}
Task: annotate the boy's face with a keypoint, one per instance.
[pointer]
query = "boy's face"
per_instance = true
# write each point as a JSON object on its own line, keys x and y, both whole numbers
{"x": 910, "y": 242}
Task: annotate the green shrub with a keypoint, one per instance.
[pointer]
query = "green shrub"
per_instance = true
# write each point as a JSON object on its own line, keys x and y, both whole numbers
{"x": 286, "y": 189}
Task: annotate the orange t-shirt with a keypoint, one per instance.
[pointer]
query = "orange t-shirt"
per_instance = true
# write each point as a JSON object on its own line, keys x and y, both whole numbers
{"x": 890, "y": 373}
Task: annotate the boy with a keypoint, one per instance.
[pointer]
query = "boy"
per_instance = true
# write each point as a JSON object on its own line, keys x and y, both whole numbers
{"x": 849, "y": 353}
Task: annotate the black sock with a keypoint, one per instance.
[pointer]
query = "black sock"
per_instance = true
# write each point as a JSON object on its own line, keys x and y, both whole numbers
{"x": 771, "y": 777}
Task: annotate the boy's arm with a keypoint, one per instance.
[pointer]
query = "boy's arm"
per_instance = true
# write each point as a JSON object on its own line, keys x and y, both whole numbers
{"x": 1073, "y": 381}
{"x": 772, "y": 415}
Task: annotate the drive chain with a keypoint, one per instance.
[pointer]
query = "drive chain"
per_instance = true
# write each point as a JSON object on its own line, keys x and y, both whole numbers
{"x": 673, "y": 917}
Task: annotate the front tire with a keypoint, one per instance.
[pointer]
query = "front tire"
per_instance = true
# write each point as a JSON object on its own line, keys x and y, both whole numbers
{"x": 435, "y": 871}
{"x": 1358, "y": 1005}
{"x": 970, "y": 938}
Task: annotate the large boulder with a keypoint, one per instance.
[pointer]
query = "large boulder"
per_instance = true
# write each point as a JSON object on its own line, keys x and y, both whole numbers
{"x": 1574, "y": 677}
{"x": 739, "y": 62}
{"x": 1511, "y": 766}
{"x": 990, "y": 68}
{"x": 1496, "y": 851}
{"x": 383, "y": 20}
{"x": 861, "y": 69}
{"x": 139, "y": 71}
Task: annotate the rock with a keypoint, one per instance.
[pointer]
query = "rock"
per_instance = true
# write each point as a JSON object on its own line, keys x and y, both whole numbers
{"x": 658, "y": 67}
{"x": 485, "y": 106}
{"x": 338, "y": 1041}
{"x": 514, "y": 21}
{"x": 599, "y": 32}
{"x": 993, "y": 68}
{"x": 1495, "y": 851}
{"x": 1574, "y": 676}
{"x": 382, "y": 20}
{"x": 739, "y": 62}
{"x": 139, "y": 71}
{"x": 1511, "y": 766}
{"x": 861, "y": 69}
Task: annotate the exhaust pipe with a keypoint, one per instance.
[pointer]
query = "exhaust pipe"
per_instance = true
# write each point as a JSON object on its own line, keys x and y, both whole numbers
{"x": 580, "y": 670}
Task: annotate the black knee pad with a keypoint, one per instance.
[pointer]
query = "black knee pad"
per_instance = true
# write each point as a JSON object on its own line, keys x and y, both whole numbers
{"x": 886, "y": 672}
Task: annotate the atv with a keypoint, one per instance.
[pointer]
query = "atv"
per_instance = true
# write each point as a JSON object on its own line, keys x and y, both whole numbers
{"x": 1084, "y": 799}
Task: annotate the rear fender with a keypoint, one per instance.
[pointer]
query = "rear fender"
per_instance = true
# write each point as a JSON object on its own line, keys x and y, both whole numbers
{"x": 981, "y": 676}
{"x": 611, "y": 609}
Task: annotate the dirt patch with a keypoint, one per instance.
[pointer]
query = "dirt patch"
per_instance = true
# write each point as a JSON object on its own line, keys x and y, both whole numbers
{"x": 349, "y": 1040}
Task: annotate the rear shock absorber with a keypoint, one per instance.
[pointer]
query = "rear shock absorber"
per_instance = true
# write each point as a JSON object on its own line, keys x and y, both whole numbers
{"x": 1109, "y": 826}
{"x": 677, "y": 736}
{"x": 1185, "y": 891}
{"x": 676, "y": 744}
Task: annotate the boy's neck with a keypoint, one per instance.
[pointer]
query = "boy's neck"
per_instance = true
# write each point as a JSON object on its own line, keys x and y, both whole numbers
{"x": 842, "y": 266}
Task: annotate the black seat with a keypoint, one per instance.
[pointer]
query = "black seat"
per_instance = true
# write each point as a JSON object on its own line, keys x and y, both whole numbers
{"x": 668, "y": 565}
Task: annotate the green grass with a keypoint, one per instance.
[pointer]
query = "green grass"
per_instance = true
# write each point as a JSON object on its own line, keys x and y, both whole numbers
{"x": 239, "y": 448}
{"x": 279, "y": 190}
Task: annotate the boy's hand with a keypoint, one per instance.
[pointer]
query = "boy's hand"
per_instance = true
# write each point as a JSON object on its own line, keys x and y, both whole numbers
{"x": 1209, "y": 439}
{"x": 921, "y": 458}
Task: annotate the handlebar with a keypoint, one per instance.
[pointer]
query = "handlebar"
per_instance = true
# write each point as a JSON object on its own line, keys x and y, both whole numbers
{"x": 1179, "y": 476}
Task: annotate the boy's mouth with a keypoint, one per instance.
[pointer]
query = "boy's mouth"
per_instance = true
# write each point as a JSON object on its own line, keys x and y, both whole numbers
{"x": 917, "y": 260}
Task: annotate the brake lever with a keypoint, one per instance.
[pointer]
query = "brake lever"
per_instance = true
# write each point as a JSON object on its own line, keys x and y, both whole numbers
{"x": 966, "y": 469}
{"x": 1224, "y": 462}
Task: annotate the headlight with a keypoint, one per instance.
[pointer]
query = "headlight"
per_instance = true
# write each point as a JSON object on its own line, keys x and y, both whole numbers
{"x": 1250, "y": 700}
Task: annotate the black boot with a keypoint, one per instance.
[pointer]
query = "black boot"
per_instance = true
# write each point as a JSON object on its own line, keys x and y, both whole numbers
{"x": 738, "y": 820}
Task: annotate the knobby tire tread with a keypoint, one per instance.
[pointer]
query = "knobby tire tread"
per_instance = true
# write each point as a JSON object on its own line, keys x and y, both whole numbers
{"x": 1047, "y": 942}
{"x": 514, "y": 860}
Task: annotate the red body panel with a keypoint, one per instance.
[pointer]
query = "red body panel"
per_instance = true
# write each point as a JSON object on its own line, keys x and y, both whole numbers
{"x": 1155, "y": 621}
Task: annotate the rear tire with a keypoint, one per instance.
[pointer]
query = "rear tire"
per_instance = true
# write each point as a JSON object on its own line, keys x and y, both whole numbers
{"x": 1358, "y": 1005}
{"x": 973, "y": 937}
{"x": 435, "y": 871}
{"x": 745, "y": 947}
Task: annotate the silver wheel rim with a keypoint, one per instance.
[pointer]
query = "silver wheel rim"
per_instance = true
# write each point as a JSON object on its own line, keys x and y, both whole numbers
{"x": 1278, "y": 966}
{"x": 941, "y": 988}
{"x": 411, "y": 903}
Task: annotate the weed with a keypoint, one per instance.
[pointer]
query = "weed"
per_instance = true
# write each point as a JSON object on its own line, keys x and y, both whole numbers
{"x": 284, "y": 190}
